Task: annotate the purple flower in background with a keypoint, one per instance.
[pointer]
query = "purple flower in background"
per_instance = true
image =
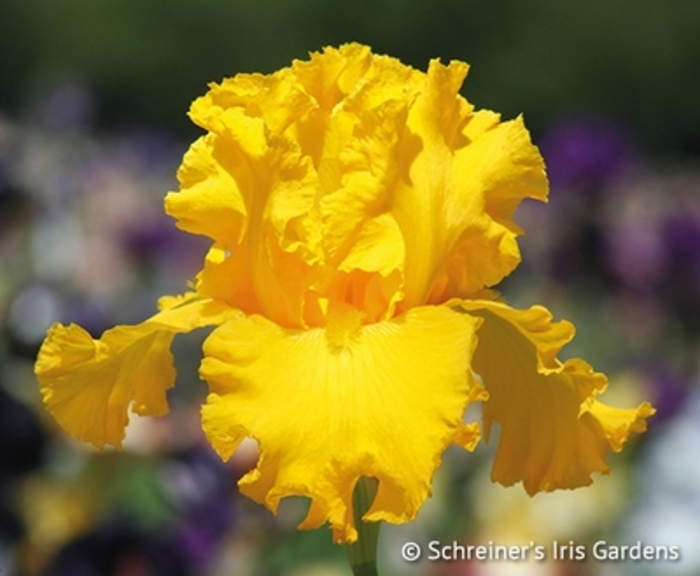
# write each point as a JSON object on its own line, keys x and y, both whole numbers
{"x": 586, "y": 152}
{"x": 203, "y": 486}
{"x": 158, "y": 243}
{"x": 680, "y": 237}
{"x": 669, "y": 391}
{"x": 67, "y": 106}
{"x": 149, "y": 150}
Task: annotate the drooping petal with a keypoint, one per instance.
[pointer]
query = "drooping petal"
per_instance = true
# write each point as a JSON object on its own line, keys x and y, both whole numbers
{"x": 328, "y": 406}
{"x": 553, "y": 431}
{"x": 88, "y": 385}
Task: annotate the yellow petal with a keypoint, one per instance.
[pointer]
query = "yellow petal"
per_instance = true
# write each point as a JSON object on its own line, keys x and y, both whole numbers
{"x": 334, "y": 73}
{"x": 329, "y": 406}
{"x": 211, "y": 202}
{"x": 501, "y": 166}
{"x": 278, "y": 99}
{"x": 553, "y": 431}
{"x": 346, "y": 165}
{"x": 248, "y": 194}
{"x": 355, "y": 203}
{"x": 226, "y": 277}
{"x": 87, "y": 385}
{"x": 466, "y": 177}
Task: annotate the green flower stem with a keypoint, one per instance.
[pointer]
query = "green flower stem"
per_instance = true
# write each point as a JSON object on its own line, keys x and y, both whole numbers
{"x": 362, "y": 554}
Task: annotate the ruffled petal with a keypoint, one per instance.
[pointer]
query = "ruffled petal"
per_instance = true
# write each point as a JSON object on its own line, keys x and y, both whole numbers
{"x": 502, "y": 167}
{"x": 353, "y": 164}
{"x": 328, "y": 406}
{"x": 331, "y": 75}
{"x": 468, "y": 175}
{"x": 87, "y": 385}
{"x": 211, "y": 202}
{"x": 247, "y": 186}
{"x": 553, "y": 431}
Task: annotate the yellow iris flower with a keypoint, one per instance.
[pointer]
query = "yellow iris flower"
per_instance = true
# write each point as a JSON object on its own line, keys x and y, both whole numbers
{"x": 359, "y": 211}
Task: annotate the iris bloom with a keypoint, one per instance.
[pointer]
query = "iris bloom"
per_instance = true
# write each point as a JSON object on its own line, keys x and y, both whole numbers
{"x": 359, "y": 212}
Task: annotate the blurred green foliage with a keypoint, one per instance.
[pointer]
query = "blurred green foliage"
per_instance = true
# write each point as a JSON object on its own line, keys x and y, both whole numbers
{"x": 147, "y": 59}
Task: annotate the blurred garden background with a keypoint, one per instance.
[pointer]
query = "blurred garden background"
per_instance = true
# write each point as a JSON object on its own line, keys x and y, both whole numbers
{"x": 93, "y": 101}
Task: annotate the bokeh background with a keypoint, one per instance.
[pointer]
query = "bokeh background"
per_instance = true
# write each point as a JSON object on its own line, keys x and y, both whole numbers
{"x": 93, "y": 96}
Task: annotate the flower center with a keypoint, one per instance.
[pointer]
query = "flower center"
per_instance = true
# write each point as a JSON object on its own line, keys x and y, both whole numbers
{"x": 344, "y": 323}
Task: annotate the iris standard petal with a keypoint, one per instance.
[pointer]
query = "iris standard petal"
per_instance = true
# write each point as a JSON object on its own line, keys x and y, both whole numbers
{"x": 553, "y": 431}
{"x": 353, "y": 162}
{"x": 246, "y": 188}
{"x": 467, "y": 173}
{"x": 328, "y": 406}
{"x": 502, "y": 167}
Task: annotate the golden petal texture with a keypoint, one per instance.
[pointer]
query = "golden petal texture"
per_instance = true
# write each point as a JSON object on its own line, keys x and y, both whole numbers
{"x": 329, "y": 405}
{"x": 88, "y": 385}
{"x": 353, "y": 179}
{"x": 359, "y": 210}
{"x": 553, "y": 431}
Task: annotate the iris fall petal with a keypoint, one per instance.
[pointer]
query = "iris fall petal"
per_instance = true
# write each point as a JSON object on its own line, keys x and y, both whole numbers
{"x": 328, "y": 406}
{"x": 88, "y": 385}
{"x": 553, "y": 431}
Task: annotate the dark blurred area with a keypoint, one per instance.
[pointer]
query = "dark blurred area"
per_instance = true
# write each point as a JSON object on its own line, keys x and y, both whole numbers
{"x": 93, "y": 124}
{"x": 146, "y": 59}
